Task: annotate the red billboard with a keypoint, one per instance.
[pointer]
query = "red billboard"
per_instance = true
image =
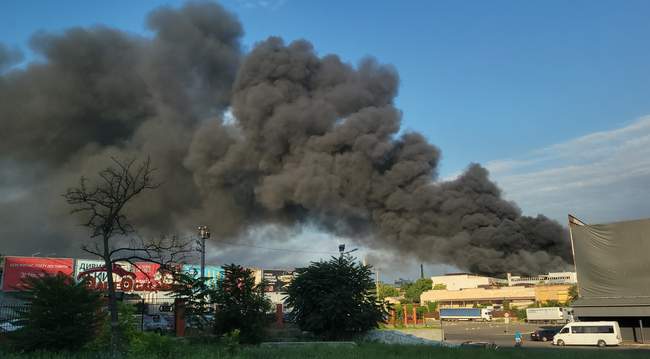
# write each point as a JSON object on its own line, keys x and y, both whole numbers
{"x": 149, "y": 277}
{"x": 18, "y": 268}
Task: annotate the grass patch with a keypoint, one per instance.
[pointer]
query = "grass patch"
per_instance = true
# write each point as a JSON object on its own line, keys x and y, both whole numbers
{"x": 363, "y": 351}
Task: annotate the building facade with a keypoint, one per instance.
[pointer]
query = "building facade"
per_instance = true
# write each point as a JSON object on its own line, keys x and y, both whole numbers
{"x": 517, "y": 297}
{"x": 550, "y": 278}
{"x": 458, "y": 281}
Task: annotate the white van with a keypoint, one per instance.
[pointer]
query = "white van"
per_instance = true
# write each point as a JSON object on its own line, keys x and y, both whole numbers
{"x": 589, "y": 333}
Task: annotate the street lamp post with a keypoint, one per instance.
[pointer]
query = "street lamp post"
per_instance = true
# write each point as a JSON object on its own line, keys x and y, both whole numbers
{"x": 204, "y": 233}
{"x": 342, "y": 251}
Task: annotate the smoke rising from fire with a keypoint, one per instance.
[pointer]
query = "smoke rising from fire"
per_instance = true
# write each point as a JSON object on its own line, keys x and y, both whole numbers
{"x": 313, "y": 139}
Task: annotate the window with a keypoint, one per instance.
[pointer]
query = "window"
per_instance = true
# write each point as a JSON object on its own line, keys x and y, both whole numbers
{"x": 564, "y": 330}
{"x": 593, "y": 329}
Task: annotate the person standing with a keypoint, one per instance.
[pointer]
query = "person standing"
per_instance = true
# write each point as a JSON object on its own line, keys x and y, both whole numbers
{"x": 518, "y": 339}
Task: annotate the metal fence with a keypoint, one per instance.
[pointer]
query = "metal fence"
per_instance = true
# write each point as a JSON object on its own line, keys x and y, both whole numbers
{"x": 12, "y": 311}
{"x": 150, "y": 313}
{"x": 154, "y": 313}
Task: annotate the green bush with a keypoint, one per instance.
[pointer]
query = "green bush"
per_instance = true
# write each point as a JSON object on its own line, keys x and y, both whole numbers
{"x": 128, "y": 328}
{"x": 335, "y": 299}
{"x": 62, "y": 315}
{"x": 154, "y": 345}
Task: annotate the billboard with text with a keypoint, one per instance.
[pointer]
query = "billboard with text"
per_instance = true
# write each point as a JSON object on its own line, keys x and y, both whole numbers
{"x": 18, "y": 268}
{"x": 276, "y": 280}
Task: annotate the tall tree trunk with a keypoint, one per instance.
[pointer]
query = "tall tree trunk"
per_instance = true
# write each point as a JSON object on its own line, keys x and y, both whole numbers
{"x": 112, "y": 301}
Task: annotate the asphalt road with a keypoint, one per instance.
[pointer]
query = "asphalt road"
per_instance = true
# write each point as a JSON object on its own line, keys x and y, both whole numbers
{"x": 503, "y": 335}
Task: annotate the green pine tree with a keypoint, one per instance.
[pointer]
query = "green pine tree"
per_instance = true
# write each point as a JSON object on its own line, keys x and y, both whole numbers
{"x": 62, "y": 314}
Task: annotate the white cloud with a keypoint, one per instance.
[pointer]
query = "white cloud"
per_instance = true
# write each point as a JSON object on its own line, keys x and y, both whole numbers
{"x": 262, "y": 4}
{"x": 601, "y": 177}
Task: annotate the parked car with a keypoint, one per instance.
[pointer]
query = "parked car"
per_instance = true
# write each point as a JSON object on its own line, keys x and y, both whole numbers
{"x": 199, "y": 321}
{"x": 158, "y": 323}
{"x": 11, "y": 325}
{"x": 544, "y": 335}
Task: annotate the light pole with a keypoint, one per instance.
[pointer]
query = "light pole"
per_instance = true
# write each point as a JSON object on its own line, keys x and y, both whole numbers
{"x": 342, "y": 251}
{"x": 204, "y": 233}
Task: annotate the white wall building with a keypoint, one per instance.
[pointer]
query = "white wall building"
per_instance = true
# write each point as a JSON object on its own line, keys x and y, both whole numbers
{"x": 462, "y": 281}
{"x": 550, "y": 278}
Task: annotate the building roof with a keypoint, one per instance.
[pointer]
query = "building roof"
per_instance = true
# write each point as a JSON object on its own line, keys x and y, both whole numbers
{"x": 612, "y": 302}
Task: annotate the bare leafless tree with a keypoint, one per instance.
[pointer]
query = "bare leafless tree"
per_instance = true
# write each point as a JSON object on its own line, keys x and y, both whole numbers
{"x": 102, "y": 206}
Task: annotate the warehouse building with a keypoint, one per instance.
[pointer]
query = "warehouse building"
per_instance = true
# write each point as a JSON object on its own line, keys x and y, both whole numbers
{"x": 613, "y": 273}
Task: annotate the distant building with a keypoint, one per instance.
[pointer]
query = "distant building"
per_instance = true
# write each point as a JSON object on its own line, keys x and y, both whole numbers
{"x": 553, "y": 293}
{"x": 550, "y": 278}
{"x": 457, "y": 281}
{"x": 518, "y": 297}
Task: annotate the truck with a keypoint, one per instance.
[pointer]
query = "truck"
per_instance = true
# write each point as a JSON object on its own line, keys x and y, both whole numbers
{"x": 476, "y": 314}
{"x": 549, "y": 315}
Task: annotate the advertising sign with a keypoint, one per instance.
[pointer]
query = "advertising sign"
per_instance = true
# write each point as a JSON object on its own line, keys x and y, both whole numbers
{"x": 94, "y": 272}
{"x": 149, "y": 277}
{"x": 214, "y": 273}
{"x": 276, "y": 280}
{"x": 18, "y": 268}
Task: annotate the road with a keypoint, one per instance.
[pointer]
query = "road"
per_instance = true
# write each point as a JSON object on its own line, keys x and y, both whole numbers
{"x": 499, "y": 333}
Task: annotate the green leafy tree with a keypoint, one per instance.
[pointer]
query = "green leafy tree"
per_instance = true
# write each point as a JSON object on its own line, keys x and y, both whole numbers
{"x": 413, "y": 291}
{"x": 194, "y": 291}
{"x": 335, "y": 299}
{"x": 573, "y": 293}
{"x": 62, "y": 315}
{"x": 386, "y": 290}
{"x": 550, "y": 303}
{"x": 240, "y": 305}
{"x": 431, "y": 306}
{"x": 440, "y": 286}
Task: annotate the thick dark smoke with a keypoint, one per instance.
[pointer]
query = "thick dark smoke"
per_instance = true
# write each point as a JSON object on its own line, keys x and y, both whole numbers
{"x": 8, "y": 57}
{"x": 306, "y": 139}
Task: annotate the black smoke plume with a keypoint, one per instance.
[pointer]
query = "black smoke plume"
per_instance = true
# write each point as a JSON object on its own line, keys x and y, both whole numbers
{"x": 278, "y": 135}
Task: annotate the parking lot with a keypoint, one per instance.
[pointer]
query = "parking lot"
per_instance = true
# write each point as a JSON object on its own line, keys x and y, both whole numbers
{"x": 503, "y": 334}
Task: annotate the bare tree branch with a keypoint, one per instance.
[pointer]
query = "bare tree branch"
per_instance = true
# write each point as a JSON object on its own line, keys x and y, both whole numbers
{"x": 101, "y": 205}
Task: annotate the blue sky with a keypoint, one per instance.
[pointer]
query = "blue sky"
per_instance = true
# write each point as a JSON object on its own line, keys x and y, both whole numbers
{"x": 552, "y": 96}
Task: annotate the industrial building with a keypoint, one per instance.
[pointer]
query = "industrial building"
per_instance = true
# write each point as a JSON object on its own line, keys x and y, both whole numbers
{"x": 518, "y": 297}
{"x": 613, "y": 273}
{"x": 457, "y": 281}
{"x": 466, "y": 290}
{"x": 550, "y": 278}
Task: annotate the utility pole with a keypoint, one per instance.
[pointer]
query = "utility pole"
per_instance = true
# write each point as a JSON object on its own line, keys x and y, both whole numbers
{"x": 421, "y": 271}
{"x": 204, "y": 233}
